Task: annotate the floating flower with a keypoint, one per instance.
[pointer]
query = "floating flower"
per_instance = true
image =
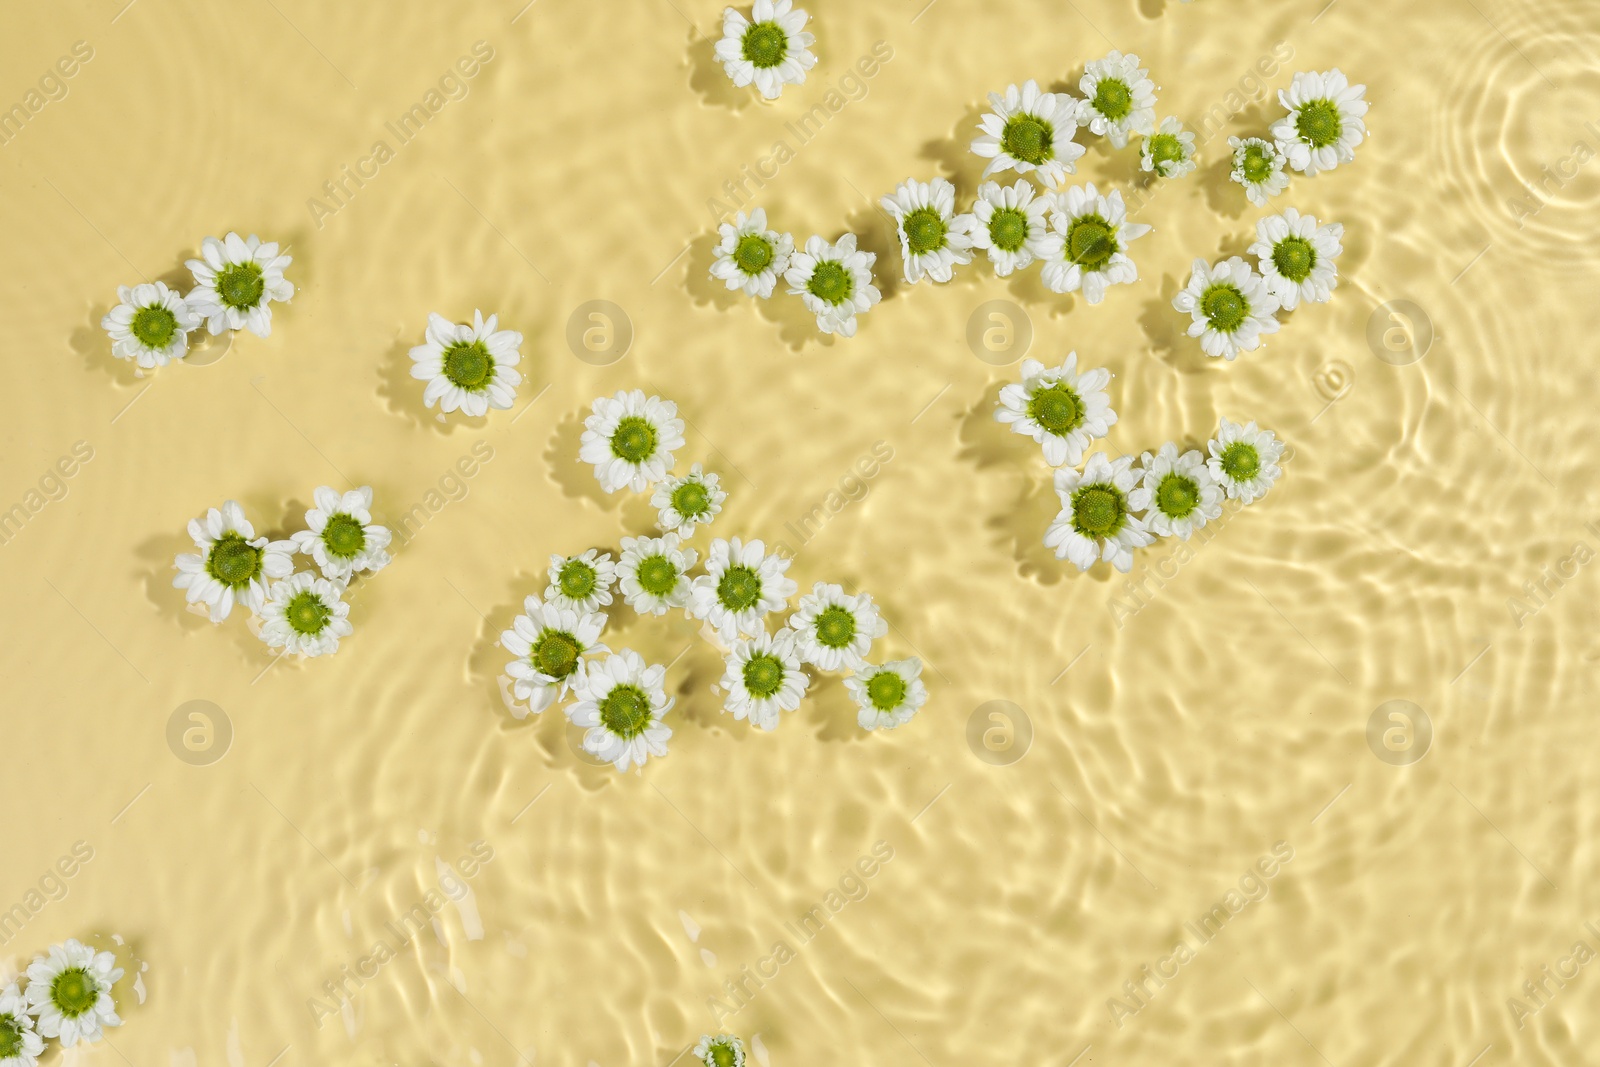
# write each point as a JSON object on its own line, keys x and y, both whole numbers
{"x": 581, "y": 583}
{"x": 933, "y": 238}
{"x": 764, "y": 678}
{"x": 688, "y": 502}
{"x": 1324, "y": 124}
{"x": 653, "y": 573}
{"x": 1060, "y": 408}
{"x": 1230, "y": 305}
{"x": 835, "y": 281}
{"x": 1011, "y": 224}
{"x": 1088, "y": 249}
{"x": 1177, "y": 493}
{"x": 888, "y": 695}
{"x": 305, "y": 614}
{"x": 1244, "y": 460}
{"x": 621, "y": 701}
{"x": 1297, "y": 257}
{"x": 1258, "y": 165}
{"x": 741, "y": 586}
{"x": 1118, "y": 98}
{"x": 770, "y": 48}
{"x": 1030, "y": 130}
{"x": 69, "y": 992}
{"x": 630, "y": 439}
{"x": 19, "y": 1045}
{"x": 550, "y": 643}
{"x": 341, "y": 535}
{"x": 834, "y": 631}
{"x": 235, "y": 279}
{"x": 150, "y": 324}
{"x": 750, "y": 256}
{"x": 1169, "y": 152}
{"x": 233, "y": 564}
{"x": 721, "y": 1050}
{"x": 1097, "y": 520}
{"x": 468, "y": 367}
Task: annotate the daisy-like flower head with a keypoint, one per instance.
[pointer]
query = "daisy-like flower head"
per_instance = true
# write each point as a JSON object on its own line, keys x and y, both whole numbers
{"x": 1011, "y": 225}
{"x": 688, "y": 502}
{"x": 1297, "y": 257}
{"x": 1176, "y": 492}
{"x": 305, "y": 614}
{"x": 933, "y": 238}
{"x": 621, "y": 701}
{"x": 1060, "y": 408}
{"x": 1169, "y": 152}
{"x": 770, "y": 48}
{"x": 468, "y": 367}
{"x": 888, "y": 695}
{"x": 19, "y": 1045}
{"x": 150, "y": 324}
{"x": 233, "y": 564}
{"x": 653, "y": 573}
{"x": 1097, "y": 520}
{"x": 550, "y": 643}
{"x": 234, "y": 281}
{"x": 1231, "y": 307}
{"x": 834, "y": 631}
{"x": 835, "y": 281}
{"x": 69, "y": 992}
{"x": 630, "y": 439}
{"x": 581, "y": 583}
{"x": 341, "y": 535}
{"x": 750, "y": 256}
{"x": 1324, "y": 123}
{"x": 1258, "y": 165}
{"x": 763, "y": 678}
{"x": 1118, "y": 98}
{"x": 720, "y": 1050}
{"x": 1088, "y": 248}
{"x": 741, "y": 586}
{"x": 1030, "y": 130}
{"x": 1244, "y": 460}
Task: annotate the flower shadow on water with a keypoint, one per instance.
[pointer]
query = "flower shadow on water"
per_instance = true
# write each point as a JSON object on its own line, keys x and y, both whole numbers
{"x": 796, "y": 325}
{"x": 830, "y": 712}
{"x": 986, "y": 443}
{"x": 575, "y": 477}
{"x": 955, "y": 157}
{"x": 709, "y": 80}
{"x": 92, "y": 344}
{"x": 702, "y": 288}
{"x": 1224, "y": 195}
{"x": 1166, "y": 328}
{"x": 876, "y": 233}
{"x": 402, "y": 394}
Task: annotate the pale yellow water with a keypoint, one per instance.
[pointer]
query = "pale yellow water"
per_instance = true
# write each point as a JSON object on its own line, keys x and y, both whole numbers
{"x": 1180, "y": 731}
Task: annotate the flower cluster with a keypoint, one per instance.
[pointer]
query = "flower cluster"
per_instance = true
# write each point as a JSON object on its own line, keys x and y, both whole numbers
{"x": 1323, "y": 125}
{"x": 67, "y": 997}
{"x": 305, "y": 611}
{"x": 236, "y": 280}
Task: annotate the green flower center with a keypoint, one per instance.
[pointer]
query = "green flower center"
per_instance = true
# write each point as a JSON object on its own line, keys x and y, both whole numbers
{"x": 1318, "y": 123}
{"x": 154, "y": 326}
{"x": 836, "y": 627}
{"x": 306, "y": 614}
{"x": 886, "y": 690}
{"x": 1225, "y": 307}
{"x": 1091, "y": 242}
{"x": 739, "y": 588}
{"x": 233, "y": 561}
{"x": 1098, "y": 510}
{"x": 468, "y": 365}
{"x": 721, "y": 1054}
{"x": 344, "y": 536}
{"x": 765, "y": 44}
{"x": 10, "y": 1037}
{"x": 753, "y": 254}
{"x": 1165, "y": 150}
{"x": 556, "y": 654}
{"x": 1240, "y": 461}
{"x": 240, "y": 285}
{"x": 1008, "y": 228}
{"x": 1028, "y": 139}
{"x": 1058, "y": 409}
{"x": 74, "y": 992}
{"x": 657, "y": 575}
{"x": 1294, "y": 257}
{"x": 576, "y": 579}
{"x": 925, "y": 230}
{"x": 831, "y": 282}
{"x": 763, "y": 675}
{"x": 625, "y": 711}
{"x": 635, "y": 440}
{"x": 691, "y": 499}
{"x": 1177, "y": 495}
{"x": 1113, "y": 98}
{"x": 1258, "y": 164}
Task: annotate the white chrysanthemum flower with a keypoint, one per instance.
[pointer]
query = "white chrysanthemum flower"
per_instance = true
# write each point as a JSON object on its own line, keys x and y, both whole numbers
{"x": 720, "y": 1050}
{"x": 1030, "y": 130}
{"x": 20, "y": 1046}
{"x": 630, "y": 439}
{"x": 1169, "y": 152}
{"x": 1297, "y": 257}
{"x": 833, "y": 630}
{"x": 233, "y": 563}
{"x": 69, "y": 992}
{"x": 341, "y": 535}
{"x": 621, "y": 701}
{"x": 1324, "y": 124}
{"x": 888, "y": 695}
{"x": 468, "y": 367}
{"x": 1118, "y": 98}
{"x": 653, "y": 573}
{"x": 1011, "y": 224}
{"x": 763, "y": 678}
{"x": 1087, "y": 248}
{"x": 741, "y": 586}
{"x": 1258, "y": 165}
{"x": 1176, "y": 493}
{"x": 150, "y": 324}
{"x": 550, "y": 643}
{"x": 1097, "y": 520}
{"x": 1230, "y": 305}
{"x": 235, "y": 280}
{"x": 1244, "y": 460}
{"x": 581, "y": 583}
{"x": 688, "y": 502}
{"x": 750, "y": 256}
{"x": 1061, "y": 408}
{"x": 835, "y": 281}
{"x": 933, "y": 238}
{"x": 770, "y": 48}
{"x": 305, "y": 614}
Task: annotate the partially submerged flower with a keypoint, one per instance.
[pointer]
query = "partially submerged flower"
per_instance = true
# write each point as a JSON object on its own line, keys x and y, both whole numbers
{"x": 1030, "y": 130}
{"x": 1096, "y": 520}
{"x": 236, "y": 279}
{"x": 233, "y": 564}
{"x": 751, "y": 257}
{"x": 305, "y": 614}
{"x": 771, "y": 48}
{"x": 630, "y": 439}
{"x": 835, "y": 630}
{"x": 653, "y": 573}
{"x": 1061, "y": 408}
{"x": 1244, "y": 460}
{"x": 1088, "y": 249}
{"x": 69, "y": 992}
{"x": 1177, "y": 493}
{"x": 1118, "y": 98}
{"x": 888, "y": 696}
{"x": 720, "y": 1050}
{"x": 689, "y": 502}
{"x": 763, "y": 678}
{"x": 1230, "y": 306}
{"x": 621, "y": 701}
{"x": 742, "y": 585}
{"x": 835, "y": 282}
{"x": 1258, "y": 165}
{"x": 550, "y": 642}
{"x": 341, "y": 535}
{"x": 20, "y": 1045}
{"x": 583, "y": 582}
{"x": 471, "y": 368}
{"x": 1169, "y": 152}
{"x": 1297, "y": 257}
{"x": 1325, "y": 120}
{"x": 1011, "y": 224}
{"x": 933, "y": 238}
{"x": 150, "y": 325}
